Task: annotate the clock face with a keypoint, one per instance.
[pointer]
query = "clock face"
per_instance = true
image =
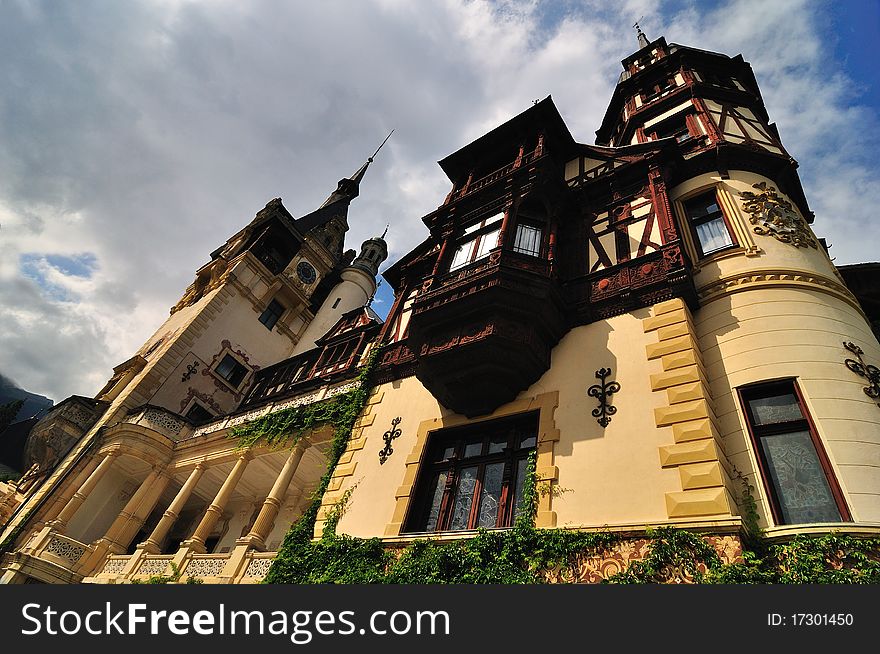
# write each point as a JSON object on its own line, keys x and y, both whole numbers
{"x": 306, "y": 272}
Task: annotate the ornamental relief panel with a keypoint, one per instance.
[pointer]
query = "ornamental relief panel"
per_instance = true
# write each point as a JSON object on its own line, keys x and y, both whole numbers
{"x": 596, "y": 567}
{"x": 771, "y": 215}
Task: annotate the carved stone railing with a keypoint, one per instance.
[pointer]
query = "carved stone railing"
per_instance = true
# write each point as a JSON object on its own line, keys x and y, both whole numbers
{"x": 79, "y": 415}
{"x": 68, "y": 550}
{"x": 308, "y": 398}
{"x": 257, "y": 566}
{"x": 115, "y": 564}
{"x": 157, "y": 564}
{"x": 165, "y": 422}
{"x": 206, "y": 565}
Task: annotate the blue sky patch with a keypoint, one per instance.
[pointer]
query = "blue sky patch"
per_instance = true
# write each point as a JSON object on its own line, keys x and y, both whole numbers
{"x": 33, "y": 266}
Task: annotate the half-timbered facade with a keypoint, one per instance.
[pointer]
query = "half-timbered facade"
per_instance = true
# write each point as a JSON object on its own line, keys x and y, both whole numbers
{"x": 651, "y": 317}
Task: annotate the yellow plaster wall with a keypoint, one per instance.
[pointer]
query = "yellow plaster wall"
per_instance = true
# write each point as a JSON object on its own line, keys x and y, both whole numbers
{"x": 609, "y": 476}
{"x": 237, "y": 321}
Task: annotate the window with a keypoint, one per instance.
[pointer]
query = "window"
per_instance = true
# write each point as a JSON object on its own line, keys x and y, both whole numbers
{"x": 675, "y": 127}
{"x": 528, "y": 240}
{"x": 478, "y": 240}
{"x": 473, "y": 476}
{"x": 336, "y": 357}
{"x": 272, "y": 313}
{"x": 198, "y": 414}
{"x": 231, "y": 370}
{"x": 653, "y": 91}
{"x": 708, "y": 224}
{"x": 796, "y": 472}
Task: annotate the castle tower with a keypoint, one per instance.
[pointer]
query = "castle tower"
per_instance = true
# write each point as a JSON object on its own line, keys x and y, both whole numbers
{"x": 247, "y": 308}
{"x": 357, "y": 284}
{"x": 781, "y": 337}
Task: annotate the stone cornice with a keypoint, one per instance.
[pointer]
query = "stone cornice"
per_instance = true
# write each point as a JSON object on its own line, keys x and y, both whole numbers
{"x": 776, "y": 278}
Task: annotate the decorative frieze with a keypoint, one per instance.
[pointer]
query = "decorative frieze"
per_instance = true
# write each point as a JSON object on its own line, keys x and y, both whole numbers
{"x": 596, "y": 567}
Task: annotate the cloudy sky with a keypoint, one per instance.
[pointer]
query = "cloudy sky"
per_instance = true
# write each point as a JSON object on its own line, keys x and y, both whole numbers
{"x": 136, "y": 136}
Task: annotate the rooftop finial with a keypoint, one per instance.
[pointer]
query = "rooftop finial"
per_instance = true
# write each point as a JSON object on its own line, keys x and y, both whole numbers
{"x": 370, "y": 159}
{"x": 643, "y": 40}
{"x": 386, "y": 230}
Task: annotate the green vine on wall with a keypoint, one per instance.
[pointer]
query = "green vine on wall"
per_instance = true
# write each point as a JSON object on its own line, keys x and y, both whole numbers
{"x": 525, "y": 554}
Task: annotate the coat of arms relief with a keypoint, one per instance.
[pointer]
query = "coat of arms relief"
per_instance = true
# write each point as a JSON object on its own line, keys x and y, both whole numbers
{"x": 773, "y": 216}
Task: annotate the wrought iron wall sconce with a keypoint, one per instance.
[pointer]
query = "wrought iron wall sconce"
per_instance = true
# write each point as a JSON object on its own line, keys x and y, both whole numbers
{"x": 190, "y": 370}
{"x": 603, "y": 393}
{"x": 866, "y": 370}
{"x": 389, "y": 436}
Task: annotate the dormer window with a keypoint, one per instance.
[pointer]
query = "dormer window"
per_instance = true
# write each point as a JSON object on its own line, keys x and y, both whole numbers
{"x": 478, "y": 240}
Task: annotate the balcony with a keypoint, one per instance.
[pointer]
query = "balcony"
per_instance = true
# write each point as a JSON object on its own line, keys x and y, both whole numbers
{"x": 483, "y": 333}
{"x": 491, "y": 178}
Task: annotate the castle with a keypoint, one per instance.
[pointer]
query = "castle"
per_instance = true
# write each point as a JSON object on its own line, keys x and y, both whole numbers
{"x": 651, "y": 318}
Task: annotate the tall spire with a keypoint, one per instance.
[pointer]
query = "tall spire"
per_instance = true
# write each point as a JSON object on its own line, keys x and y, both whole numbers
{"x": 643, "y": 40}
{"x": 349, "y": 187}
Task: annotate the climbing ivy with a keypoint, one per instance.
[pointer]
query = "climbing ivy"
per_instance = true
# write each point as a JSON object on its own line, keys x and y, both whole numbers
{"x": 524, "y": 553}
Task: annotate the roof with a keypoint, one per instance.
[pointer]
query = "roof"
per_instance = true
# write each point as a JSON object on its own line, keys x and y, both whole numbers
{"x": 542, "y": 116}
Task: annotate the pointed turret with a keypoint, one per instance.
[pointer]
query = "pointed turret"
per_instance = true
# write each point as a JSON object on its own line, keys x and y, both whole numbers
{"x": 329, "y": 222}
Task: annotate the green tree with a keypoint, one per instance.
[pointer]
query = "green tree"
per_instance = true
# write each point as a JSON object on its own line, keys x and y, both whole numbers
{"x": 8, "y": 412}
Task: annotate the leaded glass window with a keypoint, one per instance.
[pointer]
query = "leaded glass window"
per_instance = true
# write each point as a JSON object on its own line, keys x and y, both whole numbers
{"x": 796, "y": 471}
{"x": 473, "y": 476}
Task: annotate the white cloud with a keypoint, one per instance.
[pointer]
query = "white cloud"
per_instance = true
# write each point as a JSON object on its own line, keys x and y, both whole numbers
{"x": 146, "y": 133}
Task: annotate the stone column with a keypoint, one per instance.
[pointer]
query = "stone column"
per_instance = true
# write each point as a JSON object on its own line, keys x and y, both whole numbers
{"x": 153, "y": 543}
{"x": 197, "y": 541}
{"x": 272, "y": 504}
{"x": 136, "y": 511}
{"x": 83, "y": 492}
{"x": 62, "y": 498}
{"x": 112, "y": 534}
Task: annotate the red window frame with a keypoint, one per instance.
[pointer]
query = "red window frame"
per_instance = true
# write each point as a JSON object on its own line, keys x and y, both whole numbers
{"x": 521, "y": 428}
{"x": 756, "y": 432}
